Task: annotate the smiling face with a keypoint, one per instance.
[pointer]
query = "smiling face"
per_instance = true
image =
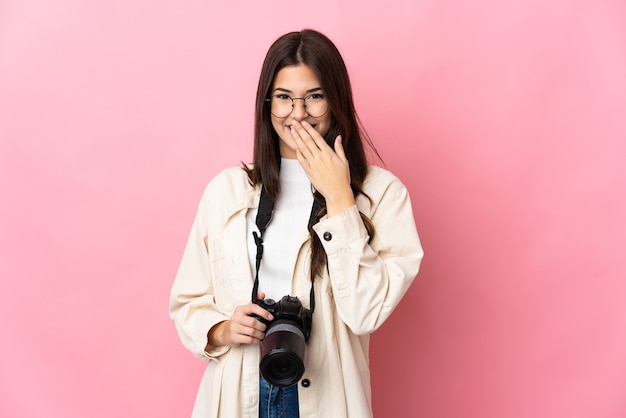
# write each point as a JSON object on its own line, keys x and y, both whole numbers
{"x": 297, "y": 81}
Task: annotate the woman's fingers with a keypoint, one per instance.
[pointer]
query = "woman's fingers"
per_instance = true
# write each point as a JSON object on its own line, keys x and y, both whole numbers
{"x": 309, "y": 141}
{"x": 244, "y": 328}
{"x": 339, "y": 149}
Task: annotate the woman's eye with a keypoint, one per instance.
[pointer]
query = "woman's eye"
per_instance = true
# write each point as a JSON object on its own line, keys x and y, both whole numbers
{"x": 315, "y": 97}
{"x": 282, "y": 97}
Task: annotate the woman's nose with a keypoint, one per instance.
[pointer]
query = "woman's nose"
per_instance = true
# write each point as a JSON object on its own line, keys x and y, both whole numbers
{"x": 299, "y": 110}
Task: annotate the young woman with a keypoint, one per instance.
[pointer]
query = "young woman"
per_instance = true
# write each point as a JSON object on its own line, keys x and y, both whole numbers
{"x": 332, "y": 231}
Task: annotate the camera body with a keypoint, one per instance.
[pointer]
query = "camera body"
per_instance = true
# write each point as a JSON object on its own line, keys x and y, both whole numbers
{"x": 289, "y": 308}
{"x": 283, "y": 350}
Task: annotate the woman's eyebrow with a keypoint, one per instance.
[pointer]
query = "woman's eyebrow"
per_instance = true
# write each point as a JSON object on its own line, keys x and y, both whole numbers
{"x": 289, "y": 91}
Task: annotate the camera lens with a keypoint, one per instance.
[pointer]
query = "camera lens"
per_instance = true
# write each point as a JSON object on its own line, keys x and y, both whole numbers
{"x": 283, "y": 352}
{"x": 282, "y": 368}
{"x": 282, "y": 365}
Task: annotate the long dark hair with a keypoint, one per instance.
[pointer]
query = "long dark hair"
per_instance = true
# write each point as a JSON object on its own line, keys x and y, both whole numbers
{"x": 317, "y": 52}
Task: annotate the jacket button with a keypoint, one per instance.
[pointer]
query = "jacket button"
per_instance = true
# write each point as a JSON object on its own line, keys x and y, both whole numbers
{"x": 328, "y": 236}
{"x": 306, "y": 383}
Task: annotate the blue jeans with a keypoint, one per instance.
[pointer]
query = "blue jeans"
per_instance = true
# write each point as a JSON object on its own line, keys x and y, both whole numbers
{"x": 275, "y": 402}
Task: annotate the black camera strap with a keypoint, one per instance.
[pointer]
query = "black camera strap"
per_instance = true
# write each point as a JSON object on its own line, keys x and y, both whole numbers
{"x": 263, "y": 218}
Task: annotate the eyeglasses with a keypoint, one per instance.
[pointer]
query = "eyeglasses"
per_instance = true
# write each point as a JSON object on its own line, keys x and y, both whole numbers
{"x": 315, "y": 105}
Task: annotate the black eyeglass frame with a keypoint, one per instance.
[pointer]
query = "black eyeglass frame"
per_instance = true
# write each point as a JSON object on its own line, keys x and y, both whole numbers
{"x": 293, "y": 104}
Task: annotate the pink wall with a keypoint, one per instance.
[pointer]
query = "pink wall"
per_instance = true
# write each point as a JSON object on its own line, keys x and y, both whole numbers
{"x": 506, "y": 120}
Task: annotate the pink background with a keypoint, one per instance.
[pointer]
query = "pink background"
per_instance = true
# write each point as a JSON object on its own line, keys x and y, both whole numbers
{"x": 505, "y": 119}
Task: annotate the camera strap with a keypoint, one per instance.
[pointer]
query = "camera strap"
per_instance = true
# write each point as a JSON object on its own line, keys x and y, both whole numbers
{"x": 263, "y": 218}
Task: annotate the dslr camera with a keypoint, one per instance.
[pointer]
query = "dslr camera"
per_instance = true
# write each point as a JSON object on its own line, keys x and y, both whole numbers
{"x": 283, "y": 349}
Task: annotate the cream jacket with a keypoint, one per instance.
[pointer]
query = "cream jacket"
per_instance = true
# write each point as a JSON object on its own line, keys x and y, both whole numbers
{"x": 364, "y": 283}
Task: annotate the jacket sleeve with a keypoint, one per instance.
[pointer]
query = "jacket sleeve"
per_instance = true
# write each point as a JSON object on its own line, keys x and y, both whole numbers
{"x": 192, "y": 301}
{"x": 369, "y": 279}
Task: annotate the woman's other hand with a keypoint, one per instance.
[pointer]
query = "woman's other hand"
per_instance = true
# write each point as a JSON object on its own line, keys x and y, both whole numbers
{"x": 327, "y": 169}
